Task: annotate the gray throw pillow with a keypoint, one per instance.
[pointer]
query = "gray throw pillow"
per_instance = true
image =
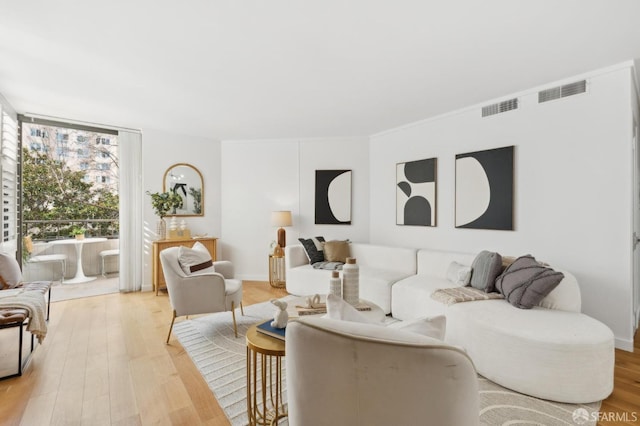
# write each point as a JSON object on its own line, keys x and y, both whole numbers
{"x": 526, "y": 282}
{"x": 485, "y": 269}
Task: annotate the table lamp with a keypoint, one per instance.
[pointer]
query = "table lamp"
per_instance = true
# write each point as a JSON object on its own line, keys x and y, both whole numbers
{"x": 281, "y": 218}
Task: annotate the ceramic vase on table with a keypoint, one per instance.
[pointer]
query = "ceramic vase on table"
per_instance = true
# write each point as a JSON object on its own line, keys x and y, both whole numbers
{"x": 335, "y": 284}
{"x": 161, "y": 229}
{"x": 351, "y": 282}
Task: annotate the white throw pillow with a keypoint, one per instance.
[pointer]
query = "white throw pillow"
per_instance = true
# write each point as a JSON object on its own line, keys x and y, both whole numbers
{"x": 459, "y": 274}
{"x": 429, "y": 326}
{"x": 10, "y": 274}
{"x": 338, "y": 309}
{"x": 195, "y": 260}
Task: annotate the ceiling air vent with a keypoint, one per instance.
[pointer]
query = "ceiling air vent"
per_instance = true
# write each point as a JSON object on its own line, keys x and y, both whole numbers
{"x": 562, "y": 91}
{"x": 500, "y": 107}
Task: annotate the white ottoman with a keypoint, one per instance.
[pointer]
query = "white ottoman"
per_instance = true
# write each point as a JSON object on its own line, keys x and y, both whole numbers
{"x": 549, "y": 354}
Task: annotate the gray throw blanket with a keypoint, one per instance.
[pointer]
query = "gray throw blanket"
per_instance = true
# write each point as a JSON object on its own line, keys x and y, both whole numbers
{"x": 34, "y": 303}
{"x": 328, "y": 265}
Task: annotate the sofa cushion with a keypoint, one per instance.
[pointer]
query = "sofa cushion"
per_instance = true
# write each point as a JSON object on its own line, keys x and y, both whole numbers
{"x": 486, "y": 267}
{"x": 336, "y": 251}
{"x": 566, "y": 296}
{"x": 411, "y": 297}
{"x": 313, "y": 247}
{"x": 539, "y": 352}
{"x": 459, "y": 274}
{"x": 526, "y": 282}
{"x": 10, "y": 274}
{"x": 196, "y": 259}
{"x": 434, "y": 327}
{"x": 338, "y": 309}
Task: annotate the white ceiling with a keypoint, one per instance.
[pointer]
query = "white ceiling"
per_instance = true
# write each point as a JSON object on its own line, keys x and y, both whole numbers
{"x": 239, "y": 69}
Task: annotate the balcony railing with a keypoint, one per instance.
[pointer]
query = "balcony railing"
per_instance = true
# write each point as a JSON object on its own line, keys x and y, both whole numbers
{"x": 49, "y": 230}
{"x": 44, "y": 231}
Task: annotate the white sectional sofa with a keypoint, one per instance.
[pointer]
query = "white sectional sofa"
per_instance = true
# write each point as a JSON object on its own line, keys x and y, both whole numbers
{"x": 552, "y": 351}
{"x": 380, "y": 267}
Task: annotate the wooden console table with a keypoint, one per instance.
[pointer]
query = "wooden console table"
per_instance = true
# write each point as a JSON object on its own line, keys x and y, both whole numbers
{"x": 159, "y": 245}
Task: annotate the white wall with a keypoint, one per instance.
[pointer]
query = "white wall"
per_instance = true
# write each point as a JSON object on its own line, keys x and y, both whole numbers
{"x": 160, "y": 150}
{"x": 635, "y": 107}
{"x": 572, "y": 187}
{"x": 266, "y": 175}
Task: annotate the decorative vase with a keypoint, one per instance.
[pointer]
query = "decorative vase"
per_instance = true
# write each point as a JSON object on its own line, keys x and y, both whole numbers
{"x": 335, "y": 284}
{"x": 173, "y": 224}
{"x": 80, "y": 237}
{"x": 161, "y": 229}
{"x": 351, "y": 282}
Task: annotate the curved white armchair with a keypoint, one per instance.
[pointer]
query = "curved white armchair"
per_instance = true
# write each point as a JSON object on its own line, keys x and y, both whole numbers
{"x": 347, "y": 373}
{"x": 200, "y": 293}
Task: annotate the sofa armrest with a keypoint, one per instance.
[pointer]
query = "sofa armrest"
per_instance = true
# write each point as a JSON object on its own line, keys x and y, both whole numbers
{"x": 224, "y": 268}
{"x": 295, "y": 256}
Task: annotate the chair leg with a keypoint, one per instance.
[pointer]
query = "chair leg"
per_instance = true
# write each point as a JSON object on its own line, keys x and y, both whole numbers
{"x": 171, "y": 326}
{"x": 233, "y": 313}
{"x": 64, "y": 270}
{"x": 241, "y": 308}
{"x": 102, "y": 269}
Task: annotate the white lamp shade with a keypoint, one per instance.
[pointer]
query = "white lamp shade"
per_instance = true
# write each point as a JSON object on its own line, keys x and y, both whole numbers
{"x": 281, "y": 218}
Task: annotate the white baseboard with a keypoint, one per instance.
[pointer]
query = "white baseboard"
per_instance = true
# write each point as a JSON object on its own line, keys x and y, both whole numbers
{"x": 252, "y": 277}
{"x": 625, "y": 345}
{"x": 147, "y": 287}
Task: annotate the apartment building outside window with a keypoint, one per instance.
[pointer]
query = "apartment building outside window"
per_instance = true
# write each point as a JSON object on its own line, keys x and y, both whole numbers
{"x": 86, "y": 157}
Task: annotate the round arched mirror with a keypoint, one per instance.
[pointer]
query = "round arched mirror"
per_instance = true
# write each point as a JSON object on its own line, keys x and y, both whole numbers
{"x": 186, "y": 181}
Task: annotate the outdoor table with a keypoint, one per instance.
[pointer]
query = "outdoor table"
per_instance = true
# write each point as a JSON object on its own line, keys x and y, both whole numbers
{"x": 79, "y": 277}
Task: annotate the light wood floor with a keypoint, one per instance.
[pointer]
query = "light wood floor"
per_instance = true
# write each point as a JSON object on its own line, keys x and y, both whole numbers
{"x": 104, "y": 362}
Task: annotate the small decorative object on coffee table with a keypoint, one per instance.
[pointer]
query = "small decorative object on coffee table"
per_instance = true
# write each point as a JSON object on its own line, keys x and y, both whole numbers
{"x": 281, "y": 317}
{"x": 351, "y": 282}
{"x": 335, "y": 284}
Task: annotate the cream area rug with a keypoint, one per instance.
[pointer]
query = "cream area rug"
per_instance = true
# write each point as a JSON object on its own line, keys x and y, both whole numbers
{"x": 64, "y": 291}
{"x": 221, "y": 358}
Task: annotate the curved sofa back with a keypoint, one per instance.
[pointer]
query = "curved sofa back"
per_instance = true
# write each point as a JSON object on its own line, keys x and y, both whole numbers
{"x": 565, "y": 297}
{"x": 384, "y": 257}
{"x": 436, "y": 263}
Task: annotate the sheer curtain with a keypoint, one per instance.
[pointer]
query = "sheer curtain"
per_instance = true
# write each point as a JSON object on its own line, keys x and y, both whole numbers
{"x": 131, "y": 232}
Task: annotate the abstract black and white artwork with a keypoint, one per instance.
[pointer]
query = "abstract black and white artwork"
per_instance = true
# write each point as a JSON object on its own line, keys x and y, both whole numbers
{"x": 484, "y": 189}
{"x": 333, "y": 197}
{"x": 416, "y": 192}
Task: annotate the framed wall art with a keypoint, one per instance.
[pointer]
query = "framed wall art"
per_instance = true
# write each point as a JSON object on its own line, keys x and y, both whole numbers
{"x": 484, "y": 189}
{"x": 333, "y": 197}
{"x": 416, "y": 192}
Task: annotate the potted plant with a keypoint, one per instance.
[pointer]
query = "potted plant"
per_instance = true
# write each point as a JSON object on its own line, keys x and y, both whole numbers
{"x": 77, "y": 232}
{"x": 163, "y": 203}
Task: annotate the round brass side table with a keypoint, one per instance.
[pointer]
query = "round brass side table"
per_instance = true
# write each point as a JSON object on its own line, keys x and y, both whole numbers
{"x": 268, "y": 353}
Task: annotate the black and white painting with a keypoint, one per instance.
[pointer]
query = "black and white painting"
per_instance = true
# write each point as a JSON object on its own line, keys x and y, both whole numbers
{"x": 333, "y": 197}
{"x": 416, "y": 192}
{"x": 484, "y": 189}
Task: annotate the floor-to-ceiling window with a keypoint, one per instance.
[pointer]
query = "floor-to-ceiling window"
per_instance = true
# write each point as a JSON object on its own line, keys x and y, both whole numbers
{"x": 70, "y": 185}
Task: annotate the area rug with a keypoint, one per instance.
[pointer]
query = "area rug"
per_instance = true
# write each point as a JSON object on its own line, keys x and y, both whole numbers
{"x": 98, "y": 287}
{"x": 221, "y": 359}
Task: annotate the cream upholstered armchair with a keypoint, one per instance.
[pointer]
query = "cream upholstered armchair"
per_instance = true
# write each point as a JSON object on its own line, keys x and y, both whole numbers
{"x": 348, "y": 373}
{"x": 200, "y": 293}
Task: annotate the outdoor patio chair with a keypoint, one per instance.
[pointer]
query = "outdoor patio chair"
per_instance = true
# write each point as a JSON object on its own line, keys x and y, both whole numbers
{"x": 44, "y": 258}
